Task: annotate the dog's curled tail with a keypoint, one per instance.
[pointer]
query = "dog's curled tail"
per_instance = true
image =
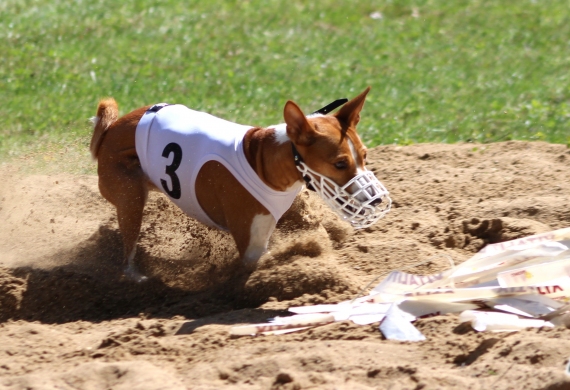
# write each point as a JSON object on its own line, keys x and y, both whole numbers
{"x": 107, "y": 114}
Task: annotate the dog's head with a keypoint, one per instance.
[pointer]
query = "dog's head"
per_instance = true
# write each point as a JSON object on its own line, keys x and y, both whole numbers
{"x": 332, "y": 159}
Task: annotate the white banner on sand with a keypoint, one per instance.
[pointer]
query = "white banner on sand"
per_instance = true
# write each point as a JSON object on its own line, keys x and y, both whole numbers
{"x": 283, "y": 323}
{"x": 477, "y": 271}
{"x": 524, "y": 307}
{"x": 499, "y": 322}
{"x": 555, "y": 271}
{"x": 397, "y": 326}
{"x": 527, "y": 277}
{"x": 524, "y": 243}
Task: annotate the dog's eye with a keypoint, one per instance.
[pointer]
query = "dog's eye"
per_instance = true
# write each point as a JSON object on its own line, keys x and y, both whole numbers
{"x": 342, "y": 164}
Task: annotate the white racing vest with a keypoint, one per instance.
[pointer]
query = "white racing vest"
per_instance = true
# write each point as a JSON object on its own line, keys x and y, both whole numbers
{"x": 174, "y": 142}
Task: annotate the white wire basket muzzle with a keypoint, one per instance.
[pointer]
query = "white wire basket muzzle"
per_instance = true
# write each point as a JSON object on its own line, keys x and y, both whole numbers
{"x": 362, "y": 201}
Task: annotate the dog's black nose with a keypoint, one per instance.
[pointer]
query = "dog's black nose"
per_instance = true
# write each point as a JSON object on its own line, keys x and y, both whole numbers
{"x": 376, "y": 202}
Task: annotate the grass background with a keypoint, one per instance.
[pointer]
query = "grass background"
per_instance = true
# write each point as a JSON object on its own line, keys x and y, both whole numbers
{"x": 440, "y": 71}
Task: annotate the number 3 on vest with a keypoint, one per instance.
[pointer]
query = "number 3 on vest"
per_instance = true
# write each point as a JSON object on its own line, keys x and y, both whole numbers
{"x": 171, "y": 170}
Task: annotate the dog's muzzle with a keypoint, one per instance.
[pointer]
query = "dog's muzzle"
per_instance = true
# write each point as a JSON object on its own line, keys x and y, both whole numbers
{"x": 362, "y": 201}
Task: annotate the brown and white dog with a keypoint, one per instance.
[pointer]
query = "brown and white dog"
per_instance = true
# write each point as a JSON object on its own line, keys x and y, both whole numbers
{"x": 323, "y": 150}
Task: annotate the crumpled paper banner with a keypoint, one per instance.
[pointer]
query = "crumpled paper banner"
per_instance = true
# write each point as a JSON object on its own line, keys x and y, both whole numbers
{"x": 527, "y": 277}
{"x": 499, "y": 322}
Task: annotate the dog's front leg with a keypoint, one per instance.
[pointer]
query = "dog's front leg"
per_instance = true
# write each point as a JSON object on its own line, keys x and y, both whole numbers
{"x": 261, "y": 229}
{"x": 229, "y": 204}
{"x": 252, "y": 239}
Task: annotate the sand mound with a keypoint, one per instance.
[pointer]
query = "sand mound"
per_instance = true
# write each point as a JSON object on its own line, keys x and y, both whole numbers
{"x": 97, "y": 375}
{"x": 69, "y": 319}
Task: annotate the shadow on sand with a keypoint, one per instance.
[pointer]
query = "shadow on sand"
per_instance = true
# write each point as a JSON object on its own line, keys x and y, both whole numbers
{"x": 91, "y": 287}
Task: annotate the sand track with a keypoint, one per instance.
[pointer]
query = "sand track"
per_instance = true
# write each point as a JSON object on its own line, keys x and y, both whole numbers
{"x": 69, "y": 320}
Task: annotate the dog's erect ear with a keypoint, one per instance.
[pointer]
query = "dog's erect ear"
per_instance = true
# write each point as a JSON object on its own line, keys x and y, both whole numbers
{"x": 349, "y": 114}
{"x": 299, "y": 129}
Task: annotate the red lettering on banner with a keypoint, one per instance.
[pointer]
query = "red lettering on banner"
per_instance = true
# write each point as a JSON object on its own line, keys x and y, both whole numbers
{"x": 543, "y": 290}
{"x": 425, "y": 293}
{"x": 499, "y": 247}
{"x": 520, "y": 275}
{"x": 412, "y": 280}
{"x": 509, "y": 290}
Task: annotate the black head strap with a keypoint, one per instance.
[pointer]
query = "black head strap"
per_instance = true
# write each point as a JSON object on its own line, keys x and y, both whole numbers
{"x": 331, "y": 106}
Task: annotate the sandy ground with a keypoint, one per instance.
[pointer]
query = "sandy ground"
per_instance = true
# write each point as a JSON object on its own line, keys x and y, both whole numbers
{"x": 69, "y": 320}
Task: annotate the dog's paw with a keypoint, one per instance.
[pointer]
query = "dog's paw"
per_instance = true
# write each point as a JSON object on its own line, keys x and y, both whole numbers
{"x": 134, "y": 275}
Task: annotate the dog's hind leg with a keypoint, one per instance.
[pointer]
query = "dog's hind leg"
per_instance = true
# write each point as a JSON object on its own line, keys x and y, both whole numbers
{"x": 129, "y": 215}
{"x": 127, "y": 190}
{"x": 121, "y": 179}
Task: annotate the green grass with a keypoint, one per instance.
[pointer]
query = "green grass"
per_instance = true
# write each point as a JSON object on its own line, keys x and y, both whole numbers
{"x": 440, "y": 71}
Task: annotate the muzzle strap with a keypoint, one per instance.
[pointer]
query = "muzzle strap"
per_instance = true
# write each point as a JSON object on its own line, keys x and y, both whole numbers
{"x": 298, "y": 160}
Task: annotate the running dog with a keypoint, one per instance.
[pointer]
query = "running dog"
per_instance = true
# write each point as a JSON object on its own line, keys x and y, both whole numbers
{"x": 230, "y": 176}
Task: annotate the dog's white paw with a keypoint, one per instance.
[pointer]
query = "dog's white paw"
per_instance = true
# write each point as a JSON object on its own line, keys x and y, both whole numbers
{"x": 134, "y": 275}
